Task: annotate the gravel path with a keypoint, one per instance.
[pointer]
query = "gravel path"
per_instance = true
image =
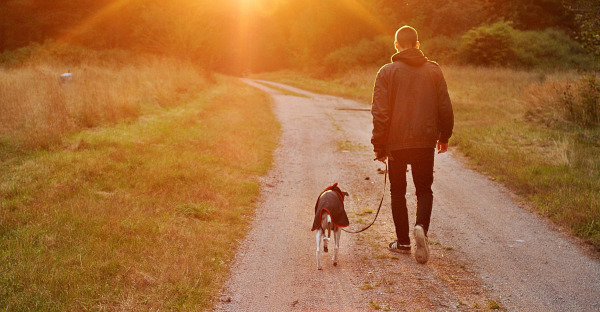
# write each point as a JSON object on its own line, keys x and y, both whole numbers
{"x": 487, "y": 250}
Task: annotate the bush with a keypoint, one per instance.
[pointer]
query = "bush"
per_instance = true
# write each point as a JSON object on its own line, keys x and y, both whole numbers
{"x": 499, "y": 44}
{"x": 441, "y": 49}
{"x": 550, "y": 48}
{"x": 583, "y": 107}
{"x": 367, "y": 52}
{"x": 488, "y": 44}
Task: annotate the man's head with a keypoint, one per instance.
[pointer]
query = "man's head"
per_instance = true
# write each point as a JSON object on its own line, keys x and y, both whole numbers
{"x": 406, "y": 38}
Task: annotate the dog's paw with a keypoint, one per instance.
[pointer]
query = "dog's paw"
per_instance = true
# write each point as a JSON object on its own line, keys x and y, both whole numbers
{"x": 319, "y": 268}
{"x": 335, "y": 264}
{"x": 325, "y": 249}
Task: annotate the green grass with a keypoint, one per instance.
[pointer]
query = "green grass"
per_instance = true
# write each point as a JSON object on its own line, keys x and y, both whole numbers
{"x": 374, "y": 305}
{"x": 555, "y": 168}
{"x": 494, "y": 305}
{"x": 369, "y": 286}
{"x": 365, "y": 210}
{"x": 138, "y": 216}
{"x": 348, "y": 145}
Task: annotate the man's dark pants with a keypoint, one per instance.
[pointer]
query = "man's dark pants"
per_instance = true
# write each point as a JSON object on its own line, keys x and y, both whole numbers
{"x": 421, "y": 164}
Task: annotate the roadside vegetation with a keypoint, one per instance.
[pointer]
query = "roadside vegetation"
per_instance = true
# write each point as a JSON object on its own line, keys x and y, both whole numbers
{"x": 536, "y": 132}
{"x": 39, "y": 109}
{"x": 128, "y": 187}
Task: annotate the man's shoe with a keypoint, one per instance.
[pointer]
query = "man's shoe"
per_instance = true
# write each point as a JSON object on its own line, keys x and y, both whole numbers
{"x": 395, "y": 247}
{"x": 422, "y": 250}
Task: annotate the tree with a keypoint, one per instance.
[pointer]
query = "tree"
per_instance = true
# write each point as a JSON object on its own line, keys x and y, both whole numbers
{"x": 533, "y": 14}
{"x": 587, "y": 19}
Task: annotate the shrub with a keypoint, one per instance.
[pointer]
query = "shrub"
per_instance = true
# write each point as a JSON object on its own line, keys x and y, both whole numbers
{"x": 488, "y": 44}
{"x": 499, "y": 44}
{"x": 366, "y": 52}
{"x": 550, "y": 48}
{"x": 584, "y": 106}
{"x": 441, "y": 49}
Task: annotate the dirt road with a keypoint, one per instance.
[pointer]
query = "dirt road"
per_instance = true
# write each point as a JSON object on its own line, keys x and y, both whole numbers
{"x": 487, "y": 251}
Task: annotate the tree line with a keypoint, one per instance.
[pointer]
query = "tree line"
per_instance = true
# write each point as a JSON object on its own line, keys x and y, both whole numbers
{"x": 257, "y": 35}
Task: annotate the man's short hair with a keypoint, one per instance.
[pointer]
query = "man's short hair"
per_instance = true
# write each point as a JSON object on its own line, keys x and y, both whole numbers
{"x": 407, "y": 37}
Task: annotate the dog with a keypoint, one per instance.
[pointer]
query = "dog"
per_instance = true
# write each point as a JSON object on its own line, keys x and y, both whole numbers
{"x": 330, "y": 216}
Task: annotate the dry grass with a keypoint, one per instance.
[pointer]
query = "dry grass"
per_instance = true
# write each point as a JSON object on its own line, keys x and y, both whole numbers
{"x": 573, "y": 102}
{"x": 498, "y": 112}
{"x": 139, "y": 214}
{"x": 38, "y": 110}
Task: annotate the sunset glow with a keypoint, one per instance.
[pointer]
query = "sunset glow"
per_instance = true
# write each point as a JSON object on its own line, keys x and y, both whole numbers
{"x": 161, "y": 155}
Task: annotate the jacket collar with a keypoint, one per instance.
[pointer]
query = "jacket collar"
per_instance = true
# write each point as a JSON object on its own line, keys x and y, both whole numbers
{"x": 412, "y": 56}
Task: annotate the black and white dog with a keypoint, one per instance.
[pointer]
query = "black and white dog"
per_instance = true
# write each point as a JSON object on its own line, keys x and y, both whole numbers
{"x": 329, "y": 216}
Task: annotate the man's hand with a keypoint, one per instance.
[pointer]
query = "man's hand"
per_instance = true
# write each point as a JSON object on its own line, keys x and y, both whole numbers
{"x": 442, "y": 147}
{"x": 381, "y": 158}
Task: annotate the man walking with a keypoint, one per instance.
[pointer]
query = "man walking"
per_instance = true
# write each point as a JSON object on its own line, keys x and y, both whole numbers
{"x": 412, "y": 114}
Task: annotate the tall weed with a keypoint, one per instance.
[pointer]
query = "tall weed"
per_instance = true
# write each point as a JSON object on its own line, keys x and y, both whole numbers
{"x": 38, "y": 109}
{"x": 566, "y": 102}
{"x": 67, "y": 55}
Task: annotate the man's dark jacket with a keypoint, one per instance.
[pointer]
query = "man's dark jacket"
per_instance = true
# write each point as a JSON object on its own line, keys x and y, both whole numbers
{"x": 411, "y": 107}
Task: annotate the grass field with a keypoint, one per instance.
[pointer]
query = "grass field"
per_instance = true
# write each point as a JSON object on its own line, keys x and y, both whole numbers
{"x": 38, "y": 109}
{"x": 137, "y": 211}
{"x": 553, "y": 165}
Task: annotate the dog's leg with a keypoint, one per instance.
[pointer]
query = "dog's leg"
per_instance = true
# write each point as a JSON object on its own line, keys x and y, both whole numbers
{"x": 318, "y": 253}
{"x": 325, "y": 222}
{"x": 336, "y": 233}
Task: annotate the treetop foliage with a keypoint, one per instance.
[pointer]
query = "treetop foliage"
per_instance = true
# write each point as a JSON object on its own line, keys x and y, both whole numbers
{"x": 253, "y": 35}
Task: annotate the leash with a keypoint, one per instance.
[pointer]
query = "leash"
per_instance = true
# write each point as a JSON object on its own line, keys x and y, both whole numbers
{"x": 380, "y": 202}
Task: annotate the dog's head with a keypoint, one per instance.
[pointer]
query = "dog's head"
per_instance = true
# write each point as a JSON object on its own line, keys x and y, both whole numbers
{"x": 334, "y": 187}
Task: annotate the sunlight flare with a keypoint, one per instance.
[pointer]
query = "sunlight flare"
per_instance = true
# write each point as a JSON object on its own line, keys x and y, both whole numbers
{"x": 364, "y": 14}
{"x": 93, "y": 20}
